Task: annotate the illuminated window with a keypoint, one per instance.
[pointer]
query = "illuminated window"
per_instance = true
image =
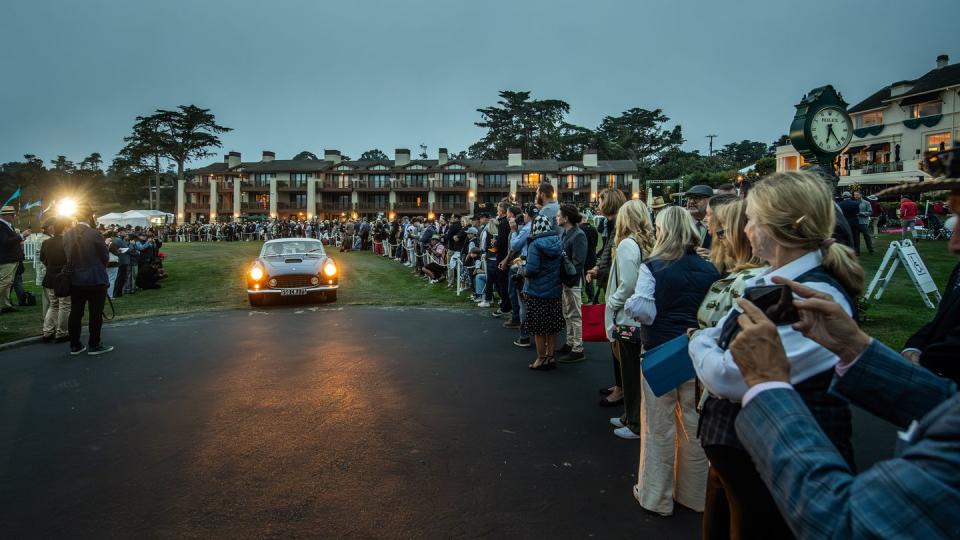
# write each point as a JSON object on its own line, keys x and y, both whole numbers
{"x": 939, "y": 141}
{"x": 576, "y": 181}
{"x": 263, "y": 201}
{"x": 874, "y": 118}
{"x": 930, "y": 108}
{"x": 533, "y": 179}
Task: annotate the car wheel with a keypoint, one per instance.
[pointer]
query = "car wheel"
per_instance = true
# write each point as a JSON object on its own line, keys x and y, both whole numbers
{"x": 332, "y": 296}
{"x": 256, "y": 300}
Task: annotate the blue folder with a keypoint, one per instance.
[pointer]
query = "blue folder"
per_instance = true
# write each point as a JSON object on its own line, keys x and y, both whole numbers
{"x": 668, "y": 366}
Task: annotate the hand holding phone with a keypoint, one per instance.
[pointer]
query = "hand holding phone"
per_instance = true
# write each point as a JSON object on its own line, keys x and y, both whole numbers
{"x": 776, "y": 302}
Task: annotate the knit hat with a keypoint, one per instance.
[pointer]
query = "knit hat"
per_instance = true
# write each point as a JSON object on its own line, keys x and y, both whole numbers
{"x": 541, "y": 225}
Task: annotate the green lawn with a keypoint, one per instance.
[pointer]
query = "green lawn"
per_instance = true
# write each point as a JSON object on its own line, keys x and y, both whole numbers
{"x": 209, "y": 276}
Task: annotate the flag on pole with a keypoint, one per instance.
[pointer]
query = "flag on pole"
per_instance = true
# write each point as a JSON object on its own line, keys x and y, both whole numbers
{"x": 47, "y": 209}
{"x": 34, "y": 204}
{"x": 16, "y": 194}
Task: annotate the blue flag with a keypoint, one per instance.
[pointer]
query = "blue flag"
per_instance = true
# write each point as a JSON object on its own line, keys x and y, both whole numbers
{"x": 13, "y": 197}
{"x": 34, "y": 204}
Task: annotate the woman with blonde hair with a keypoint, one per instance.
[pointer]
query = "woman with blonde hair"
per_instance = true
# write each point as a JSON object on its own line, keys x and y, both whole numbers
{"x": 634, "y": 241}
{"x": 790, "y": 220}
{"x": 669, "y": 288}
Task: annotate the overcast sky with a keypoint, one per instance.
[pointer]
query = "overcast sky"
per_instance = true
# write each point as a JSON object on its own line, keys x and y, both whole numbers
{"x": 307, "y": 75}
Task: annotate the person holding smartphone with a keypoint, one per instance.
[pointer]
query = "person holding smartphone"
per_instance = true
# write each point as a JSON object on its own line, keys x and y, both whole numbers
{"x": 796, "y": 240}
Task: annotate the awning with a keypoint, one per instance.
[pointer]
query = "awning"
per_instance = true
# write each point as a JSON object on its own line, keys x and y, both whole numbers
{"x": 920, "y": 98}
{"x": 855, "y": 149}
{"x": 879, "y": 147}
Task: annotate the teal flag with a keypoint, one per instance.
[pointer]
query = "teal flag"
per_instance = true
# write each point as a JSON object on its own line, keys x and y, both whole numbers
{"x": 34, "y": 204}
{"x": 15, "y": 196}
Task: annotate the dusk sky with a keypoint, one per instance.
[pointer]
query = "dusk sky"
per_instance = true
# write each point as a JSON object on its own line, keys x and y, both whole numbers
{"x": 307, "y": 75}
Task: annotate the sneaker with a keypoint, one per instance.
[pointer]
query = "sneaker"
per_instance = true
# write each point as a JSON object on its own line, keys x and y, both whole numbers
{"x": 434, "y": 281}
{"x": 511, "y": 324}
{"x": 564, "y": 350}
{"x": 99, "y": 349}
{"x": 498, "y": 313}
{"x": 522, "y": 342}
{"x": 77, "y": 350}
{"x": 484, "y": 304}
{"x": 616, "y": 422}
{"x": 572, "y": 358}
{"x": 625, "y": 433}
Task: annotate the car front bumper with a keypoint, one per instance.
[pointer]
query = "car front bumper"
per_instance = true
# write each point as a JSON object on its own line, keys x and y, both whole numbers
{"x": 278, "y": 292}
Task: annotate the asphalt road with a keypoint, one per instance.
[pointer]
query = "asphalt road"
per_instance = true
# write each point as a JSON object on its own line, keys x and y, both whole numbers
{"x": 352, "y": 422}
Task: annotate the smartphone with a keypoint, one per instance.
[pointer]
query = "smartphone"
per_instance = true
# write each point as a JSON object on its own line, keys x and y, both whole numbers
{"x": 776, "y": 302}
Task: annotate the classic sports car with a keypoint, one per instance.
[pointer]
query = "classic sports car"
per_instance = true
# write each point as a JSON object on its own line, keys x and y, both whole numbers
{"x": 292, "y": 267}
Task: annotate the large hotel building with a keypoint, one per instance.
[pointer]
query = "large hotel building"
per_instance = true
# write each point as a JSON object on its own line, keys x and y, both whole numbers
{"x": 333, "y": 188}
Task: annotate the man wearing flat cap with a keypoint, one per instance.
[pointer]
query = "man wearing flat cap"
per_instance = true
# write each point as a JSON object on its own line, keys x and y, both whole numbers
{"x": 11, "y": 254}
{"x": 697, "y": 198}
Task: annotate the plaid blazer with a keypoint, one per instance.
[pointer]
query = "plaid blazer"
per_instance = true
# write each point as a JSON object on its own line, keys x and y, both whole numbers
{"x": 914, "y": 495}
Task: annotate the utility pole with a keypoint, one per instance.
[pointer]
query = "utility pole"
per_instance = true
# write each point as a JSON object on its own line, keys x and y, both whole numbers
{"x": 711, "y": 137}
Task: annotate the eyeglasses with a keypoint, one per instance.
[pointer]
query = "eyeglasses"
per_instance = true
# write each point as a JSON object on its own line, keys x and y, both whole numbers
{"x": 719, "y": 233}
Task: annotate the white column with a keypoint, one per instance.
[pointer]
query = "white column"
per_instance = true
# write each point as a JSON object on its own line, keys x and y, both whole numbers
{"x": 636, "y": 188}
{"x": 594, "y": 182}
{"x": 181, "y": 199}
{"x": 213, "y": 200}
{"x": 311, "y": 197}
{"x": 273, "y": 197}
{"x": 236, "y": 198}
{"x": 472, "y": 194}
{"x": 514, "y": 179}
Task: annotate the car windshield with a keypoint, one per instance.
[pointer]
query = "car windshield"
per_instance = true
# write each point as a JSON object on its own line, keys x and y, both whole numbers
{"x": 286, "y": 248}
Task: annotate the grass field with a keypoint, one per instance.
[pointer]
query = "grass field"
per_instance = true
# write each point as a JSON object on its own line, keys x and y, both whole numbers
{"x": 209, "y": 276}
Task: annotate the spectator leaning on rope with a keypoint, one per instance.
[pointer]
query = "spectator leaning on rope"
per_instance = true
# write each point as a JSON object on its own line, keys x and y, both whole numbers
{"x": 86, "y": 252}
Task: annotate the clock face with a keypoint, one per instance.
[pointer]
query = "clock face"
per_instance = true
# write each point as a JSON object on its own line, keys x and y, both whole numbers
{"x": 830, "y": 130}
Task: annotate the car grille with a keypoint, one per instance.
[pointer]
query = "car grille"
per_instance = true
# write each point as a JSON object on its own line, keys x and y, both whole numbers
{"x": 293, "y": 282}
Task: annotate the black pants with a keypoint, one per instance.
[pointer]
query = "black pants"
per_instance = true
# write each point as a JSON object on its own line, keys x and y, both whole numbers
{"x": 96, "y": 296}
{"x": 503, "y": 289}
{"x": 752, "y": 511}
{"x": 493, "y": 280}
{"x": 121, "y": 281}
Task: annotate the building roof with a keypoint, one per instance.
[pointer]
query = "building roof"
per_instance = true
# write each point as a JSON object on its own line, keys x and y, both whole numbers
{"x": 933, "y": 81}
{"x": 619, "y": 166}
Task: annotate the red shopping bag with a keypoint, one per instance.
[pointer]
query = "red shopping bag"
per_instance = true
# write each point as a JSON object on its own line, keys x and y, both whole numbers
{"x": 593, "y": 326}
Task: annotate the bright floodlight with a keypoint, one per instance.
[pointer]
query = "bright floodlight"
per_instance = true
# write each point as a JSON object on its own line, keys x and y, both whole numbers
{"x": 67, "y": 207}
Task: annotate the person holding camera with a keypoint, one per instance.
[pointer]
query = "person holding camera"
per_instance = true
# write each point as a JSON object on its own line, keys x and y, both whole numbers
{"x": 796, "y": 241}
{"x": 87, "y": 255}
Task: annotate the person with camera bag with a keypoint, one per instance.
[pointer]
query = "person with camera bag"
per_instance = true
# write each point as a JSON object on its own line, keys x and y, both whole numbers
{"x": 87, "y": 257}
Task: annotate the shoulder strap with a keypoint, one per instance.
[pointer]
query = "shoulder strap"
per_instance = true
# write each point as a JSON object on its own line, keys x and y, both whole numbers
{"x": 819, "y": 273}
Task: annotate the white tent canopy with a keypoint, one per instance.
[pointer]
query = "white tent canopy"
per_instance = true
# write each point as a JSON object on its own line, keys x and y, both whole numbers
{"x": 135, "y": 218}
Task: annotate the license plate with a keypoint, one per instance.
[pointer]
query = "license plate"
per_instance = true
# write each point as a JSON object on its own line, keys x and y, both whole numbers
{"x": 293, "y": 292}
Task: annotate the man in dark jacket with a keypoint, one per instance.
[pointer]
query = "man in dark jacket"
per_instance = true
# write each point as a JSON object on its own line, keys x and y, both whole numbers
{"x": 575, "y": 247}
{"x": 503, "y": 248}
{"x": 86, "y": 252}
{"x": 592, "y": 239}
{"x": 11, "y": 255}
{"x": 54, "y": 258}
{"x": 850, "y": 209}
{"x": 123, "y": 254}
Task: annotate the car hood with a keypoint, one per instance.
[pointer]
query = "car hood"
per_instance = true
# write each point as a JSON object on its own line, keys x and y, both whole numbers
{"x": 293, "y": 265}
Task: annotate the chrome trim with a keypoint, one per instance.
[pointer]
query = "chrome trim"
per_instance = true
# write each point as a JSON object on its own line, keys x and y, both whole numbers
{"x": 319, "y": 288}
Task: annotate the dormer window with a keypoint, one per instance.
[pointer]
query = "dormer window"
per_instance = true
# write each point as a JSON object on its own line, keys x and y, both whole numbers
{"x": 456, "y": 166}
{"x": 572, "y": 168}
{"x": 344, "y": 168}
{"x": 379, "y": 168}
{"x": 417, "y": 167}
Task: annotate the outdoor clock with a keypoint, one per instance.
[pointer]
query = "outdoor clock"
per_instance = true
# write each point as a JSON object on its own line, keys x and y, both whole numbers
{"x": 821, "y": 128}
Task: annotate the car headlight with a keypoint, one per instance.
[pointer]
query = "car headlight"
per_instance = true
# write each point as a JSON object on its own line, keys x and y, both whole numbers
{"x": 329, "y": 269}
{"x": 314, "y": 281}
{"x": 256, "y": 273}
{"x": 272, "y": 282}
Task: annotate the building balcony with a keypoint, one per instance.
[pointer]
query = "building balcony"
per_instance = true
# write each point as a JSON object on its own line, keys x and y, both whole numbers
{"x": 527, "y": 186}
{"x": 336, "y": 206}
{"x": 197, "y": 207}
{"x": 404, "y": 185}
{"x": 372, "y": 206}
{"x": 565, "y": 185}
{"x": 292, "y": 187}
{"x": 450, "y": 185}
{"x": 337, "y": 185}
{"x": 197, "y": 187}
{"x": 422, "y": 206}
{"x": 254, "y": 208}
{"x": 872, "y": 168}
{"x": 254, "y": 187}
{"x": 367, "y": 185}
